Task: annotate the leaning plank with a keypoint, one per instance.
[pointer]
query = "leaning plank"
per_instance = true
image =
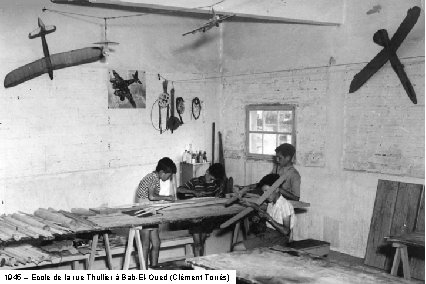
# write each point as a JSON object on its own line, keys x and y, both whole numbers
{"x": 418, "y": 262}
{"x": 405, "y": 213}
{"x": 261, "y": 199}
{"x": 381, "y": 222}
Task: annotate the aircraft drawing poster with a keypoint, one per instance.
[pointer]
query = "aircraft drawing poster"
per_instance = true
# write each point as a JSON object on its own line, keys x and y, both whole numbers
{"x": 126, "y": 89}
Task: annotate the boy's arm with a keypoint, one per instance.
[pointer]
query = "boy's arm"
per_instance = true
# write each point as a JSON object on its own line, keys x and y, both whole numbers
{"x": 154, "y": 196}
{"x": 289, "y": 195}
{"x": 292, "y": 191}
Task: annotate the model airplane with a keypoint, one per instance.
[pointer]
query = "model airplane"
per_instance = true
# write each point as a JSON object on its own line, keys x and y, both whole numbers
{"x": 214, "y": 21}
{"x": 121, "y": 86}
{"x": 388, "y": 52}
{"x": 50, "y": 62}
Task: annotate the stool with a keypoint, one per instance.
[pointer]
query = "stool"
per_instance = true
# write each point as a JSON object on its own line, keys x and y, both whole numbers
{"x": 401, "y": 253}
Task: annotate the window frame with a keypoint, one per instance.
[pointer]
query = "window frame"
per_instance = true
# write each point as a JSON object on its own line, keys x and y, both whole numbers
{"x": 268, "y": 107}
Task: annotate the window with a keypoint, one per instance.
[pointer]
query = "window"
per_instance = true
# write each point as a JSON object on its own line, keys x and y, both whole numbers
{"x": 268, "y": 126}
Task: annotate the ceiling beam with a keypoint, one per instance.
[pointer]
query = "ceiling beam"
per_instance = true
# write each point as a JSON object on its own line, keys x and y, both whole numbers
{"x": 313, "y": 12}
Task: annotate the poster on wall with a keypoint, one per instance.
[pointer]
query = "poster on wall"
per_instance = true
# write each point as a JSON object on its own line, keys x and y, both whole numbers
{"x": 126, "y": 89}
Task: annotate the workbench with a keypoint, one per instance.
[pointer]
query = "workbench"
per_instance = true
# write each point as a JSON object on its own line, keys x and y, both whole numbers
{"x": 401, "y": 242}
{"x": 285, "y": 265}
{"x": 193, "y": 210}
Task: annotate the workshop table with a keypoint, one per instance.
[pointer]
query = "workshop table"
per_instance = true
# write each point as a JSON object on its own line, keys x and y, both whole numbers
{"x": 285, "y": 265}
{"x": 194, "y": 210}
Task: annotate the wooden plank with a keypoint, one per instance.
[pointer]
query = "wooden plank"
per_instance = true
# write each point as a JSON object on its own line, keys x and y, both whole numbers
{"x": 381, "y": 223}
{"x": 404, "y": 216}
{"x": 417, "y": 262}
{"x": 261, "y": 199}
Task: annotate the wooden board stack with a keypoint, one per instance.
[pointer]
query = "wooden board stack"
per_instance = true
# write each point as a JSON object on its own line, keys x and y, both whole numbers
{"x": 44, "y": 224}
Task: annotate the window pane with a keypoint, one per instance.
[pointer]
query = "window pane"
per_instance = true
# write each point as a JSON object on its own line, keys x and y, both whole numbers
{"x": 256, "y": 120}
{"x": 269, "y": 144}
{"x": 285, "y": 128}
{"x": 255, "y": 143}
{"x": 271, "y": 120}
{"x": 284, "y": 138}
{"x": 285, "y": 116}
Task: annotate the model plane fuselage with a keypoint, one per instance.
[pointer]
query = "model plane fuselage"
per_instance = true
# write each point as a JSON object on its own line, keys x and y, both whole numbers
{"x": 214, "y": 21}
{"x": 41, "y": 32}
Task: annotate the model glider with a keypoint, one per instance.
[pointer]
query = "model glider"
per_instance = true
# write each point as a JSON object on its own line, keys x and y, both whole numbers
{"x": 51, "y": 62}
{"x": 214, "y": 21}
{"x": 389, "y": 53}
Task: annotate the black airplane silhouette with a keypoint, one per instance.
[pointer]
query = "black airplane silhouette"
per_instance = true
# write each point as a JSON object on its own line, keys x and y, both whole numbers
{"x": 121, "y": 87}
{"x": 388, "y": 52}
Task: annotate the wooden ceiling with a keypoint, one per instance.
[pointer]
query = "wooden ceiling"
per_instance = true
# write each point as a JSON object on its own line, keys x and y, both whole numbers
{"x": 313, "y": 12}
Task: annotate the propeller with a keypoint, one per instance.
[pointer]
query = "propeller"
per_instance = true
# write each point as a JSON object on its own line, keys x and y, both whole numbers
{"x": 106, "y": 50}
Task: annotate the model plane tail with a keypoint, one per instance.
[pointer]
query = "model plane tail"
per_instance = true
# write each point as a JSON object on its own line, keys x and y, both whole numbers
{"x": 41, "y": 30}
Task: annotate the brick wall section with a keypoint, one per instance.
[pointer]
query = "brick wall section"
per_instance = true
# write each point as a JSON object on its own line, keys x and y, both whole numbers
{"x": 384, "y": 130}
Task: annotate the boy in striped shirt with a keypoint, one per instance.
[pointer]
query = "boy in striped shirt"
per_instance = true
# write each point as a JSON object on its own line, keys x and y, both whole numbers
{"x": 149, "y": 190}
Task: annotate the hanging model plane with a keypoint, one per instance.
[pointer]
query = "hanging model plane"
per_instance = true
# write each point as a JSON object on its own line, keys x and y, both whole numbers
{"x": 121, "y": 86}
{"x": 214, "y": 21}
{"x": 388, "y": 53}
{"x": 51, "y": 62}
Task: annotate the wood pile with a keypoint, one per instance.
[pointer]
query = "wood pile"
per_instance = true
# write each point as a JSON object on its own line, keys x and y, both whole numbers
{"x": 23, "y": 254}
{"x": 44, "y": 224}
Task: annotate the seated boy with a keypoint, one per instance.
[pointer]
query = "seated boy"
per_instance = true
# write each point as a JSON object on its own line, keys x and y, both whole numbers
{"x": 290, "y": 188}
{"x": 209, "y": 185}
{"x": 279, "y": 215}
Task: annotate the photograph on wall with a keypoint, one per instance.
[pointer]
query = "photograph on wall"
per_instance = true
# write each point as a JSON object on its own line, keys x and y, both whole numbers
{"x": 126, "y": 89}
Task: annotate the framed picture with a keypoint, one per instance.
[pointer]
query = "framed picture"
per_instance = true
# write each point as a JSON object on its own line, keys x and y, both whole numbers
{"x": 126, "y": 89}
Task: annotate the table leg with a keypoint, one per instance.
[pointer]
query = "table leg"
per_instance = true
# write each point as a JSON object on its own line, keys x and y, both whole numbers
{"x": 405, "y": 262}
{"x": 129, "y": 249}
{"x": 396, "y": 261}
{"x": 142, "y": 264}
{"x": 93, "y": 251}
{"x": 108, "y": 251}
{"x": 235, "y": 235}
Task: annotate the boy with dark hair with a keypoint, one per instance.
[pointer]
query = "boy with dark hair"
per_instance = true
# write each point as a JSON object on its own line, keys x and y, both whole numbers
{"x": 209, "y": 185}
{"x": 149, "y": 190}
{"x": 290, "y": 188}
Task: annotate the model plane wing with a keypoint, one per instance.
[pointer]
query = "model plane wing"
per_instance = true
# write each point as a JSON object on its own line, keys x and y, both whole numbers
{"x": 224, "y": 17}
{"x": 196, "y": 30}
{"x": 59, "y": 61}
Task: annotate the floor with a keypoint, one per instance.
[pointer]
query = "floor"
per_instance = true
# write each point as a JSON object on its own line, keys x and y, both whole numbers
{"x": 333, "y": 256}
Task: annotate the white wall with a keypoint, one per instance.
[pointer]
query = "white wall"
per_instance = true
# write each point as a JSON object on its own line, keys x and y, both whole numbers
{"x": 345, "y": 142}
{"x": 61, "y": 146}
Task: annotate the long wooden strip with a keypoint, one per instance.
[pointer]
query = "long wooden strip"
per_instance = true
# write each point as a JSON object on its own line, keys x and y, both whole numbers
{"x": 55, "y": 217}
{"x": 11, "y": 230}
{"x": 261, "y": 199}
{"x": 4, "y": 236}
{"x": 34, "y": 230}
{"x": 30, "y": 221}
